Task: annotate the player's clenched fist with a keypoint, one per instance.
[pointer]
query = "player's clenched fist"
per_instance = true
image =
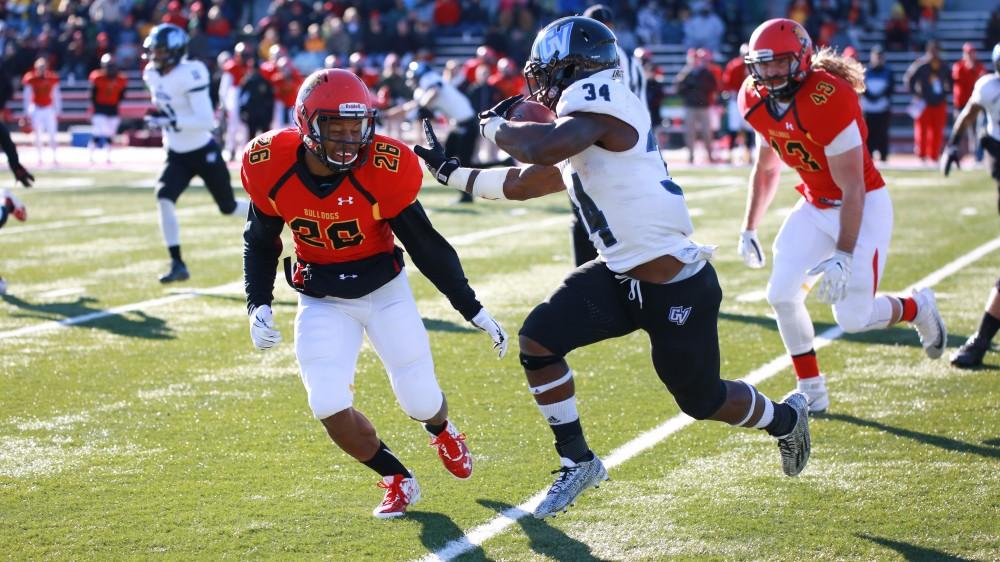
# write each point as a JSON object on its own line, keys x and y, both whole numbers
{"x": 262, "y": 330}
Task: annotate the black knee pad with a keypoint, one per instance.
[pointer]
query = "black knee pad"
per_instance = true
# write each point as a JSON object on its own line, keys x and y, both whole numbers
{"x": 535, "y": 362}
{"x": 701, "y": 401}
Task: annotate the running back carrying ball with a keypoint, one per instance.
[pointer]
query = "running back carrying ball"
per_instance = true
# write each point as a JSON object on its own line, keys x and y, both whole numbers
{"x": 531, "y": 111}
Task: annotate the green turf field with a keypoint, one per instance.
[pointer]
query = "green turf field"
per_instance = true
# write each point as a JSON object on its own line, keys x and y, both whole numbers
{"x": 161, "y": 433}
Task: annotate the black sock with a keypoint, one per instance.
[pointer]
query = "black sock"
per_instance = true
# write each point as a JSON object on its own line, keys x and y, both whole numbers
{"x": 783, "y": 422}
{"x": 988, "y": 327}
{"x": 385, "y": 463}
{"x": 570, "y": 442}
{"x": 436, "y": 429}
{"x": 175, "y": 252}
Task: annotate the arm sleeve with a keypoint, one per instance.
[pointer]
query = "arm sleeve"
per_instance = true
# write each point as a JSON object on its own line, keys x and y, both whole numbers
{"x": 435, "y": 258}
{"x": 847, "y": 139}
{"x": 261, "y": 250}
{"x": 9, "y": 148}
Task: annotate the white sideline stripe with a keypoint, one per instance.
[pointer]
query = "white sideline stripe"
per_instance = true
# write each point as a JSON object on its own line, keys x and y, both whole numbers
{"x": 118, "y": 310}
{"x": 228, "y": 287}
{"x": 476, "y": 536}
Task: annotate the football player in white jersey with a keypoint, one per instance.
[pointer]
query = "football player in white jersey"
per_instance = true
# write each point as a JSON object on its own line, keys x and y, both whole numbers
{"x": 179, "y": 89}
{"x": 634, "y": 77}
{"x": 985, "y": 97}
{"x": 650, "y": 275}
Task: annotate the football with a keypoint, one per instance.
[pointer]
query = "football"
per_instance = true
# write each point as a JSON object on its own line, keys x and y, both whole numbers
{"x": 531, "y": 111}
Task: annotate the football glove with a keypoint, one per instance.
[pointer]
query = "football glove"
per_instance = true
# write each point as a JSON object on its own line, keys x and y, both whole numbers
{"x": 750, "y": 250}
{"x": 836, "y": 273}
{"x": 262, "y": 330}
{"x": 13, "y": 205}
{"x": 949, "y": 158}
{"x": 22, "y": 175}
{"x": 434, "y": 157}
{"x": 501, "y": 109}
{"x": 488, "y": 324}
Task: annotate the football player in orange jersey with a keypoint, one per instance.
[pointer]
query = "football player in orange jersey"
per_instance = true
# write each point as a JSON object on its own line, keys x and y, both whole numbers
{"x": 345, "y": 192}
{"x": 806, "y": 113}
{"x": 106, "y": 95}
{"x": 43, "y": 104}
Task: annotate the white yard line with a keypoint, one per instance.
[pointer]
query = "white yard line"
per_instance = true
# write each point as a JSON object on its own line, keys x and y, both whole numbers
{"x": 109, "y": 219}
{"x": 476, "y": 536}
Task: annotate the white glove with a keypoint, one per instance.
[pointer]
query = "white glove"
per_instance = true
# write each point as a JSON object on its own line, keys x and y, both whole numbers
{"x": 750, "y": 250}
{"x": 836, "y": 273}
{"x": 262, "y": 330}
{"x": 488, "y": 324}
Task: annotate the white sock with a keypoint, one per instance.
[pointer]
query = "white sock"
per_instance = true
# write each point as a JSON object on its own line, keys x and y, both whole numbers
{"x": 768, "y": 415}
{"x": 560, "y": 412}
{"x": 242, "y": 208}
{"x": 168, "y": 222}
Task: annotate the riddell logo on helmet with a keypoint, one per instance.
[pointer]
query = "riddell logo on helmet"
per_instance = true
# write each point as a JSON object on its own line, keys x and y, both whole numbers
{"x": 353, "y": 107}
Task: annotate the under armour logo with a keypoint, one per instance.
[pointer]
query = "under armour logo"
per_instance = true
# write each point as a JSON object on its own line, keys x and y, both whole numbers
{"x": 789, "y": 126}
{"x": 344, "y": 276}
{"x": 679, "y": 315}
{"x": 349, "y": 200}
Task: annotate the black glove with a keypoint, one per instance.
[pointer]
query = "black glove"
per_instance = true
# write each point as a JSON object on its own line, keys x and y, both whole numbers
{"x": 434, "y": 157}
{"x": 22, "y": 175}
{"x": 949, "y": 158}
{"x": 501, "y": 109}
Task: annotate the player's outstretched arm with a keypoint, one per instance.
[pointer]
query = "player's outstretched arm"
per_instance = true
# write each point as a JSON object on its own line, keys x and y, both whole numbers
{"x": 261, "y": 250}
{"x": 550, "y": 144}
{"x": 763, "y": 184}
{"x": 518, "y": 184}
{"x": 965, "y": 119}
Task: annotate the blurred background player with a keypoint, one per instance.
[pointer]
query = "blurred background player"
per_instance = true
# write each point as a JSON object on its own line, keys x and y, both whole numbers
{"x": 233, "y": 71}
{"x": 107, "y": 90}
{"x": 179, "y": 90}
{"x": 807, "y": 112}
{"x": 696, "y": 86}
{"x": 964, "y": 74}
{"x": 876, "y": 102}
{"x": 10, "y": 205}
{"x": 285, "y": 81}
{"x": 256, "y": 100}
{"x": 43, "y": 103}
{"x": 927, "y": 80}
{"x": 985, "y": 97}
{"x": 345, "y": 192}
{"x": 433, "y": 94}
{"x": 740, "y": 132}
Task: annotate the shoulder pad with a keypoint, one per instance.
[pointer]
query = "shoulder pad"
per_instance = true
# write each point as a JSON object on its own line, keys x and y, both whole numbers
{"x": 602, "y": 93}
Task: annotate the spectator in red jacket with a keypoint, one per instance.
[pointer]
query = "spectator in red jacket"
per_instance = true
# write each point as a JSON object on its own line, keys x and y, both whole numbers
{"x": 964, "y": 74}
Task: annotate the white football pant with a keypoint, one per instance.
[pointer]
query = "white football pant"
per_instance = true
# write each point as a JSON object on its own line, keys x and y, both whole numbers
{"x": 234, "y": 127}
{"x": 328, "y": 334}
{"x": 43, "y": 121}
{"x": 809, "y": 236}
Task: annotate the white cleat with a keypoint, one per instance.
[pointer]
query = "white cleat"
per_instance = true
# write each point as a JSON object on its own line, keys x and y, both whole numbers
{"x": 796, "y": 446}
{"x": 815, "y": 390}
{"x": 929, "y": 324}
{"x": 571, "y": 482}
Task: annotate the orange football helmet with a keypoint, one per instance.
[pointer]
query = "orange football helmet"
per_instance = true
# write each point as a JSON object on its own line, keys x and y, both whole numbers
{"x": 335, "y": 94}
{"x": 779, "y": 41}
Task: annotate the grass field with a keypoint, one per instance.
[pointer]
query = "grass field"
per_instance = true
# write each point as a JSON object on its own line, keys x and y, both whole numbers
{"x": 160, "y": 432}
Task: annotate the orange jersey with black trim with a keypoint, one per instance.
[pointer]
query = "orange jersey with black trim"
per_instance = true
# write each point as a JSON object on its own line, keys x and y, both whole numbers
{"x": 108, "y": 90}
{"x": 822, "y": 107}
{"x": 345, "y": 220}
{"x": 41, "y": 86}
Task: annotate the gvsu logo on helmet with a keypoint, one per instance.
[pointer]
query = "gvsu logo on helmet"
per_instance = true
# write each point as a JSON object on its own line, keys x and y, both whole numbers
{"x": 555, "y": 42}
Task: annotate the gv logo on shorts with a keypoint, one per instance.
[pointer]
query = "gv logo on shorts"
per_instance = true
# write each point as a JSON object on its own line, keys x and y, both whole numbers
{"x": 679, "y": 315}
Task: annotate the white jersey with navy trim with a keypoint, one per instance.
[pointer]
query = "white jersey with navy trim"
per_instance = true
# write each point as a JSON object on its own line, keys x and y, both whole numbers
{"x": 632, "y": 73}
{"x": 449, "y": 100}
{"x": 182, "y": 94}
{"x": 986, "y": 94}
{"x": 632, "y": 209}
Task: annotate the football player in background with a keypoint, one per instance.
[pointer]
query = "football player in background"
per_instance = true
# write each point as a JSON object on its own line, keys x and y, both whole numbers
{"x": 107, "y": 90}
{"x": 9, "y": 204}
{"x": 233, "y": 71}
{"x": 344, "y": 192}
{"x": 43, "y": 103}
{"x": 651, "y": 276}
{"x": 806, "y": 112}
{"x": 179, "y": 90}
{"x": 985, "y": 97}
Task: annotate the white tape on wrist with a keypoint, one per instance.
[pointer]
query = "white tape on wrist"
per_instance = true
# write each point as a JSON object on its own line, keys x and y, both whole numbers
{"x": 459, "y": 178}
{"x": 488, "y": 183}
{"x": 492, "y": 126}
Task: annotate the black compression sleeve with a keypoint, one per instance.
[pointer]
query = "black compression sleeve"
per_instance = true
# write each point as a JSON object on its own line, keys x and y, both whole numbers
{"x": 435, "y": 258}
{"x": 8, "y": 147}
{"x": 261, "y": 250}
